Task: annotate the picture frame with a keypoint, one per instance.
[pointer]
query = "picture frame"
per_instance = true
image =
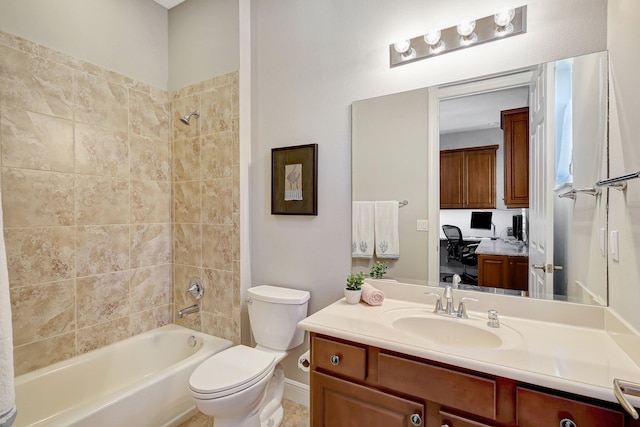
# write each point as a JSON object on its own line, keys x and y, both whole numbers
{"x": 294, "y": 180}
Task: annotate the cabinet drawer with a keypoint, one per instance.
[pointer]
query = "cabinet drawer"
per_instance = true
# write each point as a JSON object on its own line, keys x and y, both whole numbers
{"x": 535, "y": 409}
{"x": 446, "y": 419}
{"x": 340, "y": 358}
{"x": 468, "y": 393}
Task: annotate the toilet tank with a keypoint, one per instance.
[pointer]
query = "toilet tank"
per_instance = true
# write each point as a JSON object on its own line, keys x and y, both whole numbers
{"x": 274, "y": 313}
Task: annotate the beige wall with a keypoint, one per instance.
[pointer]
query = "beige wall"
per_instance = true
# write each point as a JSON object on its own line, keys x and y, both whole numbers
{"x": 624, "y": 151}
{"x": 206, "y": 204}
{"x": 86, "y": 200}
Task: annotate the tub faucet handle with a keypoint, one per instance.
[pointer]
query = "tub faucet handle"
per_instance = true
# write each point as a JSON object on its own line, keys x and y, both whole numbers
{"x": 196, "y": 288}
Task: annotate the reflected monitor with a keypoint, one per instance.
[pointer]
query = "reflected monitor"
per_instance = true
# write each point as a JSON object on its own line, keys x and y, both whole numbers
{"x": 482, "y": 221}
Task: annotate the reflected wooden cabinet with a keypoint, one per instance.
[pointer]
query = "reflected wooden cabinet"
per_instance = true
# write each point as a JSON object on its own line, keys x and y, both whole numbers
{"x": 468, "y": 178}
{"x": 515, "y": 125}
{"x": 501, "y": 271}
{"x": 353, "y": 384}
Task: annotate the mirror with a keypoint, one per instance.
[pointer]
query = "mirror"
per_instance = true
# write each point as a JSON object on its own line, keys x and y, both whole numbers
{"x": 396, "y": 148}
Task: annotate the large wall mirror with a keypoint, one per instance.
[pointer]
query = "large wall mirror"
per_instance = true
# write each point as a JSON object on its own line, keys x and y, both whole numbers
{"x": 494, "y": 181}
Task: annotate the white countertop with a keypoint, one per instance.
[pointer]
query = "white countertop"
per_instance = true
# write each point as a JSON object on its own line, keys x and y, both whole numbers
{"x": 570, "y": 358}
{"x": 501, "y": 247}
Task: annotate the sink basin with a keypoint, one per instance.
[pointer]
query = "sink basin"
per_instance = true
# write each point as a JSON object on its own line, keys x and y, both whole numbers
{"x": 471, "y": 334}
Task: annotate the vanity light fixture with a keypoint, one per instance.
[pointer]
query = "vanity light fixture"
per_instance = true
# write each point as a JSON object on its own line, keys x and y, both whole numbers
{"x": 469, "y": 32}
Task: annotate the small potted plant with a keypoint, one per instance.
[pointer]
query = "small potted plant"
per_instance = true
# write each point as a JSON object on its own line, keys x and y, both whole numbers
{"x": 353, "y": 291}
{"x": 378, "y": 269}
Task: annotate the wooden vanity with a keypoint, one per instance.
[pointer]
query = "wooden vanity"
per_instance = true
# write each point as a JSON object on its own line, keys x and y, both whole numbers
{"x": 503, "y": 265}
{"x": 357, "y": 384}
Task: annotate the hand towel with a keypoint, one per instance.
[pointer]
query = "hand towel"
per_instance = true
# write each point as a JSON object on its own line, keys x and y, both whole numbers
{"x": 386, "y": 230}
{"x": 7, "y": 387}
{"x": 371, "y": 295}
{"x": 362, "y": 228}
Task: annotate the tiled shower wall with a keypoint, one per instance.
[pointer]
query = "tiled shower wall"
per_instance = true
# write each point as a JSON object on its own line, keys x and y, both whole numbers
{"x": 205, "y": 204}
{"x": 86, "y": 195}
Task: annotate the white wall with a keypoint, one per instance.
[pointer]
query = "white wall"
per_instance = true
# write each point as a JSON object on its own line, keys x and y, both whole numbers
{"x": 203, "y": 42}
{"x": 126, "y": 36}
{"x": 624, "y": 151}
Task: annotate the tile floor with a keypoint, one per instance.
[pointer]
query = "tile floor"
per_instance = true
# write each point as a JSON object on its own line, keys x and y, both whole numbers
{"x": 295, "y": 415}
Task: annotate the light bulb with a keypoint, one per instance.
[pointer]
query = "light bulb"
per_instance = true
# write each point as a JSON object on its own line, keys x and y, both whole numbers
{"x": 402, "y": 46}
{"x": 466, "y": 26}
{"x": 432, "y": 37}
{"x": 504, "y": 17}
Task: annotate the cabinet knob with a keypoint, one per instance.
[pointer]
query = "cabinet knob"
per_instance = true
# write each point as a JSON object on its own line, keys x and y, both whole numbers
{"x": 444, "y": 425}
{"x": 335, "y": 359}
{"x": 566, "y": 422}
{"x": 416, "y": 419}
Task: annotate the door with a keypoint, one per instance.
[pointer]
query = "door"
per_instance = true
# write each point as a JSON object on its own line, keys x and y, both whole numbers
{"x": 540, "y": 233}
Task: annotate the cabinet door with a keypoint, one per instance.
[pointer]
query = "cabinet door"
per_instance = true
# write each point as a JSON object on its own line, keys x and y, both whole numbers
{"x": 446, "y": 419}
{"x": 515, "y": 124}
{"x": 518, "y": 273}
{"x": 480, "y": 179}
{"x": 339, "y": 403}
{"x": 493, "y": 270}
{"x": 536, "y": 409}
{"x": 451, "y": 185}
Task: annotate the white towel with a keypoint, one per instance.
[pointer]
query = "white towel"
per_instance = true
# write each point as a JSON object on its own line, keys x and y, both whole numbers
{"x": 371, "y": 295}
{"x": 386, "y": 230}
{"x": 362, "y": 228}
{"x": 7, "y": 387}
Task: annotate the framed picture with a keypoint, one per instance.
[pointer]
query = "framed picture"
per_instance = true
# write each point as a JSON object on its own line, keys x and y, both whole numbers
{"x": 294, "y": 180}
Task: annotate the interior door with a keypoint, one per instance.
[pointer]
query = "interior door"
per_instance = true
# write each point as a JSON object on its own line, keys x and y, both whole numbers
{"x": 542, "y": 181}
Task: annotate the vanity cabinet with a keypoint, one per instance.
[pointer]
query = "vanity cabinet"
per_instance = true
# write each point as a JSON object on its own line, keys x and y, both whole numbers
{"x": 515, "y": 126}
{"x": 502, "y": 271}
{"x": 355, "y": 384}
{"x": 468, "y": 178}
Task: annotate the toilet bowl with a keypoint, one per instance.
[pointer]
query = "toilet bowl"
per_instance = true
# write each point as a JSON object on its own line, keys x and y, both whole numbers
{"x": 243, "y": 386}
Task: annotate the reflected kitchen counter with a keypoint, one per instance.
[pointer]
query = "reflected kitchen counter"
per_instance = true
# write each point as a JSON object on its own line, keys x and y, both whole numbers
{"x": 502, "y": 247}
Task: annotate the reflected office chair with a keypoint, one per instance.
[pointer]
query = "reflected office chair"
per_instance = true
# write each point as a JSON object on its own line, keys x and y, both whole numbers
{"x": 460, "y": 251}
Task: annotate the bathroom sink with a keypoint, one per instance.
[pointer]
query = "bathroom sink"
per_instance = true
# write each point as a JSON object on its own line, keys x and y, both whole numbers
{"x": 471, "y": 334}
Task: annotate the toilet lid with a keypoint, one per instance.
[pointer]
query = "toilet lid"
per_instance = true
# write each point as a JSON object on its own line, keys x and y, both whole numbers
{"x": 230, "y": 369}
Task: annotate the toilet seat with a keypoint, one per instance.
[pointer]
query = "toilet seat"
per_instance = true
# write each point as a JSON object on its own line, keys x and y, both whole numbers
{"x": 230, "y": 371}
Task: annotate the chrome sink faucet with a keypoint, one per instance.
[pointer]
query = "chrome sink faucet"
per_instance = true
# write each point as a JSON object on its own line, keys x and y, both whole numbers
{"x": 448, "y": 309}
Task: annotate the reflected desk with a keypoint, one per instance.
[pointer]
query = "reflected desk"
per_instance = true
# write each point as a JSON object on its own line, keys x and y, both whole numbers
{"x": 503, "y": 264}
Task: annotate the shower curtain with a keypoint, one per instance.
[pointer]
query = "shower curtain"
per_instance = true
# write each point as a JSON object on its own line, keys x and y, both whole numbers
{"x": 7, "y": 389}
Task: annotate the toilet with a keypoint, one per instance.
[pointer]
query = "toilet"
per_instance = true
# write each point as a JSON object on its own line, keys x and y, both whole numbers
{"x": 243, "y": 386}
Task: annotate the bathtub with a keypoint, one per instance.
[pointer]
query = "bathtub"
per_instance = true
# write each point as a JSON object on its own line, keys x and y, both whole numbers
{"x": 138, "y": 382}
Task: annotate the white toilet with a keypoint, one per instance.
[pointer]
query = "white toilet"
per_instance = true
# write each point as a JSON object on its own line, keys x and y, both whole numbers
{"x": 243, "y": 386}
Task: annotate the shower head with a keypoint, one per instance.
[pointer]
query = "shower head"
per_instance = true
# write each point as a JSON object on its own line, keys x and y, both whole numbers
{"x": 185, "y": 119}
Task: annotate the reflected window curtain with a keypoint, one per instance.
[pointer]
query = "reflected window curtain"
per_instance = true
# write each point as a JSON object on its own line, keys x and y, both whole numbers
{"x": 563, "y": 168}
{"x": 563, "y": 117}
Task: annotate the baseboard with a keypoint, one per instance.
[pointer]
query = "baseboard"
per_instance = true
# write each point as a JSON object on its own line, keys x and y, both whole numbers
{"x": 297, "y": 392}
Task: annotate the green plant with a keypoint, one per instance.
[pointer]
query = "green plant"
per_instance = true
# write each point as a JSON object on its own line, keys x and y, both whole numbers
{"x": 378, "y": 269}
{"x": 355, "y": 281}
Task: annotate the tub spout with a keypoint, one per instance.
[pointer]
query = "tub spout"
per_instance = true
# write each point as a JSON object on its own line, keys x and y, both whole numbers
{"x": 188, "y": 310}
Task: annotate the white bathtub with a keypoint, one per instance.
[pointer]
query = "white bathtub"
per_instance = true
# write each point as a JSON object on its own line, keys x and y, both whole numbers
{"x": 138, "y": 382}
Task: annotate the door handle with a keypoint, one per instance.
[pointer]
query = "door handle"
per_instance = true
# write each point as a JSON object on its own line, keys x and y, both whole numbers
{"x": 548, "y": 268}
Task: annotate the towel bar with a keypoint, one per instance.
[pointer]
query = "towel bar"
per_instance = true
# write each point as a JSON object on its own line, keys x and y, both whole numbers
{"x": 619, "y": 182}
{"x": 622, "y": 387}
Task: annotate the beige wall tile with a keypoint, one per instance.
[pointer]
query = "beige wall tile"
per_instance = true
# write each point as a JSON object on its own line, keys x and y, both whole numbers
{"x": 101, "y": 200}
{"x": 187, "y": 244}
{"x": 144, "y": 321}
{"x": 36, "y": 198}
{"x": 33, "y": 84}
{"x": 182, "y": 275}
{"x": 150, "y": 244}
{"x": 235, "y": 241}
{"x": 217, "y": 247}
{"x": 219, "y": 296}
{"x": 42, "y": 311}
{"x": 151, "y": 287}
{"x": 236, "y": 191}
{"x": 185, "y": 160}
{"x": 217, "y": 155}
{"x": 102, "y": 298}
{"x": 187, "y": 202}
{"x": 223, "y": 327}
{"x": 42, "y": 353}
{"x": 217, "y": 110}
{"x": 36, "y": 141}
{"x": 149, "y": 159}
{"x": 101, "y": 151}
{"x": 149, "y": 115}
{"x": 102, "y": 249}
{"x": 19, "y": 43}
{"x": 103, "y": 334}
{"x": 217, "y": 201}
{"x": 99, "y": 101}
{"x": 150, "y": 202}
{"x": 38, "y": 255}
